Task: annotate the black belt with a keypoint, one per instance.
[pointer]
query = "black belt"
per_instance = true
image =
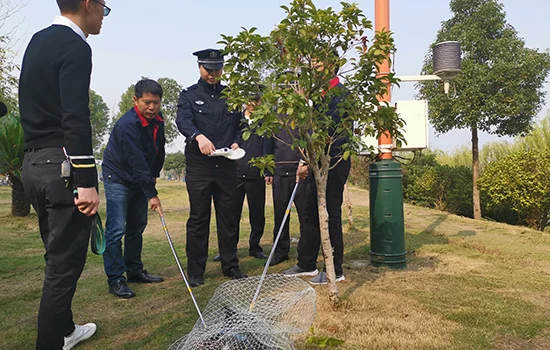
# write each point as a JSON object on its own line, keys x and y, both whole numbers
{"x": 29, "y": 150}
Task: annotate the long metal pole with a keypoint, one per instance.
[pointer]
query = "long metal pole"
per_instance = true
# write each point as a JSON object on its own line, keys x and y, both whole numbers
{"x": 165, "y": 228}
{"x": 266, "y": 267}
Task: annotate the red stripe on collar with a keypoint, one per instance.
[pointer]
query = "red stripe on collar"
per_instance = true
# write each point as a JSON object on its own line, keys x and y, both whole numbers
{"x": 335, "y": 81}
{"x": 332, "y": 84}
{"x": 144, "y": 121}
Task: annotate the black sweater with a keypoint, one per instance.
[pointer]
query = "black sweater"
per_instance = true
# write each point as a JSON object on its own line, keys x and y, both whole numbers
{"x": 54, "y": 97}
{"x": 254, "y": 148}
{"x": 286, "y": 158}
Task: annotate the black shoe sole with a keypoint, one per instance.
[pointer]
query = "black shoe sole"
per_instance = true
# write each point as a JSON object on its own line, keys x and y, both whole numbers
{"x": 258, "y": 257}
{"x": 236, "y": 278}
{"x": 125, "y": 296}
{"x": 141, "y": 281}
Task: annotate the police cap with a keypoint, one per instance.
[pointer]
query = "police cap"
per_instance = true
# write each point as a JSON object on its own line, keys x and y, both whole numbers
{"x": 210, "y": 58}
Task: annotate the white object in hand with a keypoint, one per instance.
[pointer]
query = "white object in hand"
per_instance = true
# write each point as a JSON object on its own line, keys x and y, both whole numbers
{"x": 229, "y": 153}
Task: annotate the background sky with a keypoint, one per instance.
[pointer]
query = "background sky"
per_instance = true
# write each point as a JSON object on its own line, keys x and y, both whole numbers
{"x": 155, "y": 38}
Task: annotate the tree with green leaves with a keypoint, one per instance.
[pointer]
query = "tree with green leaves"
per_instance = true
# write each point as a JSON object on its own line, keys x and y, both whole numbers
{"x": 175, "y": 162}
{"x": 169, "y": 105}
{"x": 11, "y": 160}
{"x": 500, "y": 88}
{"x": 8, "y": 80}
{"x": 520, "y": 182}
{"x": 311, "y": 42}
{"x": 99, "y": 118}
{"x": 11, "y": 132}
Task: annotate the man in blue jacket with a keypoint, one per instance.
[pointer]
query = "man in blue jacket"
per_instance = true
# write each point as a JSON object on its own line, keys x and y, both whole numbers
{"x": 132, "y": 161}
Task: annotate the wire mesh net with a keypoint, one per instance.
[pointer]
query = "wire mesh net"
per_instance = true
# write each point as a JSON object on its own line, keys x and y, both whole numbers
{"x": 285, "y": 306}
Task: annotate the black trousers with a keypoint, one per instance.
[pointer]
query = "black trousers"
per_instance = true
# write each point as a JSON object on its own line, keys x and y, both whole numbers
{"x": 216, "y": 180}
{"x": 310, "y": 242}
{"x": 282, "y": 190}
{"x": 254, "y": 189}
{"x": 65, "y": 233}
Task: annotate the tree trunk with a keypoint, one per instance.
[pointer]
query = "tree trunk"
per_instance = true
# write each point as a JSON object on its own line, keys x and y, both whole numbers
{"x": 20, "y": 205}
{"x": 321, "y": 177}
{"x": 475, "y": 173}
{"x": 347, "y": 201}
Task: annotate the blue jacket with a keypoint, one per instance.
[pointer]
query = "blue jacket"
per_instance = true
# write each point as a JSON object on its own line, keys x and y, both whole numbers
{"x": 135, "y": 152}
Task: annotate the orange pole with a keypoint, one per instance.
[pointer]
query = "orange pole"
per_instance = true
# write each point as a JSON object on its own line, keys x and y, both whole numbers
{"x": 382, "y": 23}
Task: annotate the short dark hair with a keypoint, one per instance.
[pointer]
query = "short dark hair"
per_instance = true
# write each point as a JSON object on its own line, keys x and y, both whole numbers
{"x": 68, "y": 6}
{"x": 150, "y": 86}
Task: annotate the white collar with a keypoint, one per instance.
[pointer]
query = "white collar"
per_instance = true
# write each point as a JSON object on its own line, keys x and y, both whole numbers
{"x": 64, "y": 21}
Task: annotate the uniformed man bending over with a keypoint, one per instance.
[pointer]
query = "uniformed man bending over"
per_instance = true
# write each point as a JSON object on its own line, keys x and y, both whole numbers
{"x": 207, "y": 124}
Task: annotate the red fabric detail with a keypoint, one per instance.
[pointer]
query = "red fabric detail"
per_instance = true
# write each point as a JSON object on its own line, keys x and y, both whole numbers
{"x": 145, "y": 123}
{"x": 332, "y": 84}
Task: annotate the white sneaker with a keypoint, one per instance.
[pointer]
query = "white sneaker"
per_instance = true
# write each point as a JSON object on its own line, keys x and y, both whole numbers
{"x": 80, "y": 333}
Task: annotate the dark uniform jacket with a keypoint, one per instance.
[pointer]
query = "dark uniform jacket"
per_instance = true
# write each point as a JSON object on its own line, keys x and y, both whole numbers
{"x": 134, "y": 155}
{"x": 254, "y": 148}
{"x": 203, "y": 110}
{"x": 286, "y": 159}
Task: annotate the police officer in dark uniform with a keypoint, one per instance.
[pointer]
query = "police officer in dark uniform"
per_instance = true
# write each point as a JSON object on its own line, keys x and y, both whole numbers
{"x": 207, "y": 124}
{"x": 252, "y": 184}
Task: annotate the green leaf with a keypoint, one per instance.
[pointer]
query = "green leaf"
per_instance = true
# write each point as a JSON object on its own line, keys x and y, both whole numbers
{"x": 346, "y": 155}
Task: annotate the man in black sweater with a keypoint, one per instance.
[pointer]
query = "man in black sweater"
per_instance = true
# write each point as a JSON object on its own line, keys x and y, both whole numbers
{"x": 310, "y": 241}
{"x": 53, "y": 99}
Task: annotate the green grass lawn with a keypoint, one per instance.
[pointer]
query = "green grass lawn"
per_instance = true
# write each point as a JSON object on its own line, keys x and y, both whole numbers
{"x": 468, "y": 285}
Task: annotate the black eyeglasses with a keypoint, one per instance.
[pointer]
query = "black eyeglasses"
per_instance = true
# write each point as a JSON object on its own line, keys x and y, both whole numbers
{"x": 106, "y": 9}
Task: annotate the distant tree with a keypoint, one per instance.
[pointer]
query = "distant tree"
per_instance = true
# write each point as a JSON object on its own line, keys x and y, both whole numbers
{"x": 8, "y": 67}
{"x": 11, "y": 161}
{"x": 520, "y": 182}
{"x": 169, "y": 105}
{"x": 125, "y": 104}
{"x": 11, "y": 131}
{"x": 8, "y": 81}
{"x": 500, "y": 89}
{"x": 99, "y": 117}
{"x": 175, "y": 162}
{"x": 539, "y": 139}
{"x": 169, "y": 108}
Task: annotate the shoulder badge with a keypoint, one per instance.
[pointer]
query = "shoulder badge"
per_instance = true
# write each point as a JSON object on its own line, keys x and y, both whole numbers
{"x": 199, "y": 102}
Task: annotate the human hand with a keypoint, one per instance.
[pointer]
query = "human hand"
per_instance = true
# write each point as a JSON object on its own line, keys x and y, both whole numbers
{"x": 205, "y": 145}
{"x": 87, "y": 200}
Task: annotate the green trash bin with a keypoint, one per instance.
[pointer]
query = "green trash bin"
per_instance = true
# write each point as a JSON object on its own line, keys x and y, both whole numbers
{"x": 387, "y": 224}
